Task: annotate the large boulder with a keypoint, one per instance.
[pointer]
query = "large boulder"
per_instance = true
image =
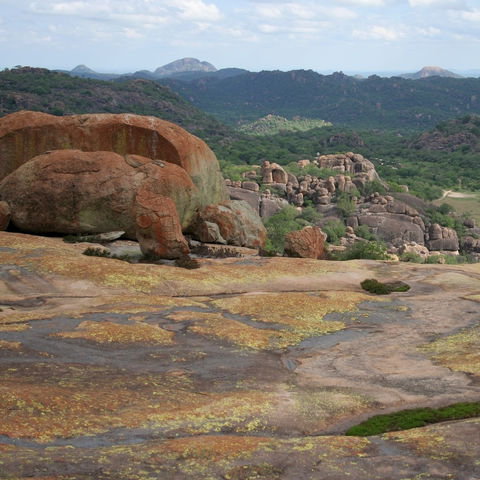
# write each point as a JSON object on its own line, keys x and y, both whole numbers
{"x": 158, "y": 227}
{"x": 25, "y": 134}
{"x": 442, "y": 238}
{"x": 4, "y": 215}
{"x": 70, "y": 191}
{"x": 238, "y": 224}
{"x": 306, "y": 243}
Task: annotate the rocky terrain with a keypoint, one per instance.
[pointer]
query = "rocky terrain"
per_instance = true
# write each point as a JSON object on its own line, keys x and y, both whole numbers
{"x": 391, "y": 218}
{"x": 244, "y": 368}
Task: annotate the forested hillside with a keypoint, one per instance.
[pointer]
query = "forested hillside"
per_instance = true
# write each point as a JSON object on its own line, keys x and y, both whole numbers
{"x": 382, "y": 103}
{"x": 60, "y": 94}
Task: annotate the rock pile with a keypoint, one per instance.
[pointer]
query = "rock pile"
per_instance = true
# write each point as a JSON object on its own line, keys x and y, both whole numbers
{"x": 98, "y": 173}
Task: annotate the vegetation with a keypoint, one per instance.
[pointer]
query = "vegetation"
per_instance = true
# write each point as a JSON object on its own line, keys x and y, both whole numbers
{"x": 388, "y": 103}
{"x": 372, "y": 285}
{"x": 273, "y": 124}
{"x": 364, "y": 250}
{"x": 288, "y": 219}
{"x": 417, "y": 417}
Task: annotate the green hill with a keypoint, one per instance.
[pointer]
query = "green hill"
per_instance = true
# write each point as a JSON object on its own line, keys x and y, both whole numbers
{"x": 61, "y": 94}
{"x": 375, "y": 102}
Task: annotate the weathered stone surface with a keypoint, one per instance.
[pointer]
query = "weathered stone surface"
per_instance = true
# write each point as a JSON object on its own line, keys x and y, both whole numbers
{"x": 306, "y": 243}
{"x": 249, "y": 196}
{"x": 4, "y": 215}
{"x": 393, "y": 228}
{"x": 158, "y": 227}
{"x": 414, "y": 248}
{"x": 237, "y": 222}
{"x": 442, "y": 238}
{"x": 270, "y": 205}
{"x": 70, "y": 191}
{"x": 24, "y": 135}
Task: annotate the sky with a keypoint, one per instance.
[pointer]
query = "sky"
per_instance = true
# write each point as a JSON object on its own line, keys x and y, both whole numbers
{"x": 353, "y": 36}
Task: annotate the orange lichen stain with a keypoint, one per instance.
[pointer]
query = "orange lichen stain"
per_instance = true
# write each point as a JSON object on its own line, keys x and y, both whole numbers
{"x": 6, "y": 345}
{"x": 110, "y": 332}
{"x": 14, "y": 327}
{"x": 219, "y": 326}
{"x": 459, "y": 352}
{"x": 16, "y": 317}
{"x": 46, "y": 401}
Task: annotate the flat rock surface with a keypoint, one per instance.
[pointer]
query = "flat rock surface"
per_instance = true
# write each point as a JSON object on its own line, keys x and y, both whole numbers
{"x": 246, "y": 368}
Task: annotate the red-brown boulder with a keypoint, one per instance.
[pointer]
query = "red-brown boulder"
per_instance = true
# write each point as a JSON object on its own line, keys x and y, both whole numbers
{"x": 25, "y": 134}
{"x": 158, "y": 227}
{"x": 70, "y": 191}
{"x": 306, "y": 243}
{"x": 4, "y": 215}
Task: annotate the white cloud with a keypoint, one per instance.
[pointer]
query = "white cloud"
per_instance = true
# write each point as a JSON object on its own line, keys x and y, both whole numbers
{"x": 132, "y": 33}
{"x": 379, "y": 32}
{"x": 364, "y": 3}
{"x": 472, "y": 15}
{"x": 198, "y": 10}
{"x": 448, "y": 4}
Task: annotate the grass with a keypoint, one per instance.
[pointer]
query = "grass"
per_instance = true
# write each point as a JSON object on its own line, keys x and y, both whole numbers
{"x": 417, "y": 417}
{"x": 469, "y": 205}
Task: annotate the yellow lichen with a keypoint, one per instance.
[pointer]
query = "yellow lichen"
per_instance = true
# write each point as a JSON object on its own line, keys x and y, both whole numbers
{"x": 459, "y": 352}
{"x": 110, "y": 332}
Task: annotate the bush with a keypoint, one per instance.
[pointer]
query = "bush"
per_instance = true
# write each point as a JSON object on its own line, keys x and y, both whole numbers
{"x": 96, "y": 252}
{"x": 411, "y": 257}
{"x": 374, "y": 286}
{"x": 365, "y": 250}
{"x": 363, "y": 231}
{"x": 186, "y": 261}
{"x": 346, "y": 204}
{"x": 335, "y": 229}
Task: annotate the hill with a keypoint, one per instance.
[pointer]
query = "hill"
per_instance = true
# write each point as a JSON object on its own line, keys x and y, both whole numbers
{"x": 458, "y": 134}
{"x": 430, "y": 72}
{"x": 375, "y": 102}
{"x": 58, "y": 93}
{"x": 184, "y": 65}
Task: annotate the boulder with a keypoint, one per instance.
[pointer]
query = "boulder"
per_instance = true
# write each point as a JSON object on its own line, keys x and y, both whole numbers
{"x": 70, "y": 191}
{"x": 306, "y": 243}
{"x": 4, "y": 215}
{"x": 24, "y": 135}
{"x": 270, "y": 205}
{"x": 414, "y": 248}
{"x": 273, "y": 173}
{"x": 249, "y": 196}
{"x": 442, "y": 238}
{"x": 237, "y": 222}
{"x": 158, "y": 227}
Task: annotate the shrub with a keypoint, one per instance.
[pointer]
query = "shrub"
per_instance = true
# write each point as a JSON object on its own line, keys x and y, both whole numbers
{"x": 365, "y": 250}
{"x": 335, "y": 229}
{"x": 363, "y": 231}
{"x": 411, "y": 257}
{"x": 96, "y": 252}
{"x": 372, "y": 285}
{"x": 346, "y": 205}
{"x": 186, "y": 261}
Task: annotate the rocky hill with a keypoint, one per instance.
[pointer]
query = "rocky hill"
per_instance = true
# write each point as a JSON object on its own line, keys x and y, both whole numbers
{"x": 426, "y": 72}
{"x": 458, "y": 134}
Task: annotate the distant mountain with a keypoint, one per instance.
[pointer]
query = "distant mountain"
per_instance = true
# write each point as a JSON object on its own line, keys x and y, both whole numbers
{"x": 426, "y": 72}
{"x": 58, "y": 93}
{"x": 183, "y": 65}
{"x": 274, "y": 124}
{"x": 374, "y": 102}
{"x": 83, "y": 71}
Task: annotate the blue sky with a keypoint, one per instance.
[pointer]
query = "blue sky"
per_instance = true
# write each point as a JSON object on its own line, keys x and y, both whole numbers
{"x": 323, "y": 35}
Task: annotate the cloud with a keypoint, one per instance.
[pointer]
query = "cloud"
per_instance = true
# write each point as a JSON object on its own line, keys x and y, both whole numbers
{"x": 471, "y": 16}
{"x": 379, "y": 32}
{"x": 443, "y": 4}
{"x": 198, "y": 10}
{"x": 364, "y": 3}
